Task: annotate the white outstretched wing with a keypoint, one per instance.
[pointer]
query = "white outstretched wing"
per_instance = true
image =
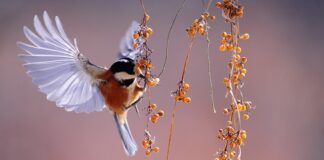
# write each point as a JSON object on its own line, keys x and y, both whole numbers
{"x": 59, "y": 69}
{"x": 126, "y": 44}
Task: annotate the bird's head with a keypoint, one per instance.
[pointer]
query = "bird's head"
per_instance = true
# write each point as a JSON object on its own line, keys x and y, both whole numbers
{"x": 125, "y": 69}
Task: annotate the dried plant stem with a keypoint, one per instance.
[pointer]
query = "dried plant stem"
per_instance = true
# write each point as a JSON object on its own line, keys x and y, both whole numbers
{"x": 209, "y": 73}
{"x": 175, "y": 101}
{"x": 168, "y": 37}
{"x": 142, "y": 4}
{"x": 171, "y": 129}
{"x": 208, "y": 5}
{"x": 187, "y": 60}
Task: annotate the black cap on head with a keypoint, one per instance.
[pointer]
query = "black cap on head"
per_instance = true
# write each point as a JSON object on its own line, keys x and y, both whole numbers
{"x": 123, "y": 65}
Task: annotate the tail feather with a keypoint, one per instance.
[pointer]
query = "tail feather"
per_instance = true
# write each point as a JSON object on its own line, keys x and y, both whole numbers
{"x": 126, "y": 135}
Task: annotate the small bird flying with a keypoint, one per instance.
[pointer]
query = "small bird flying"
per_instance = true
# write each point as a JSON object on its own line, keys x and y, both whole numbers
{"x": 70, "y": 80}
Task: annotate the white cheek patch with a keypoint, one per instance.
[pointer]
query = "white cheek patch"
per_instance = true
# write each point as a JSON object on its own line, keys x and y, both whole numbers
{"x": 123, "y": 76}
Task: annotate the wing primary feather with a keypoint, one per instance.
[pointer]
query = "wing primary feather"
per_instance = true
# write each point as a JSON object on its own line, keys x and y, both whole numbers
{"x": 59, "y": 69}
{"x": 61, "y": 30}
{"x": 37, "y": 41}
{"x": 54, "y": 32}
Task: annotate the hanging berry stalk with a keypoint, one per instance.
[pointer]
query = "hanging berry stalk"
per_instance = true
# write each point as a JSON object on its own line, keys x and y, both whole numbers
{"x": 145, "y": 63}
{"x": 233, "y": 135}
{"x": 198, "y": 26}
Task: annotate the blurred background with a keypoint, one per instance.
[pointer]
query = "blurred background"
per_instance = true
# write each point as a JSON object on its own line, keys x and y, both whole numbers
{"x": 285, "y": 71}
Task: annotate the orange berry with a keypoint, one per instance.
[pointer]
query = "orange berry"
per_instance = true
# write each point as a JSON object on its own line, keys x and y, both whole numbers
{"x": 147, "y": 17}
{"x": 239, "y": 106}
{"x": 239, "y": 142}
{"x": 239, "y": 13}
{"x": 244, "y": 59}
{"x": 154, "y": 118}
{"x": 223, "y": 41}
{"x": 225, "y": 111}
{"x": 243, "y": 134}
{"x": 153, "y": 106}
{"x": 228, "y": 36}
{"x": 178, "y": 98}
{"x": 232, "y": 145}
{"x": 226, "y": 81}
{"x": 161, "y": 113}
{"x": 150, "y": 142}
{"x": 237, "y": 56}
{"x": 149, "y": 65}
{"x": 186, "y": 86}
{"x": 229, "y": 65}
{"x": 144, "y": 142}
{"x": 205, "y": 15}
{"x": 201, "y": 31}
{"x": 224, "y": 34}
{"x": 242, "y": 75}
{"x": 148, "y": 152}
{"x": 146, "y": 35}
{"x": 149, "y": 30}
{"x": 245, "y": 36}
{"x": 246, "y": 116}
{"x": 243, "y": 70}
{"x": 219, "y": 5}
{"x": 230, "y": 47}
{"x": 187, "y": 100}
{"x": 145, "y": 146}
{"x": 151, "y": 83}
{"x": 235, "y": 77}
{"x": 156, "y": 149}
{"x": 222, "y": 48}
{"x": 238, "y": 50}
{"x": 232, "y": 154}
{"x": 135, "y": 45}
{"x": 230, "y": 128}
{"x": 136, "y": 35}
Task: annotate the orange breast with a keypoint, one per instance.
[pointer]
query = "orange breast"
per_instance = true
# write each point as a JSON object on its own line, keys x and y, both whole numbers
{"x": 115, "y": 95}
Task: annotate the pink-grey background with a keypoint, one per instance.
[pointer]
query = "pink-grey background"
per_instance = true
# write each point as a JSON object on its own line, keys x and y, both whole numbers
{"x": 285, "y": 71}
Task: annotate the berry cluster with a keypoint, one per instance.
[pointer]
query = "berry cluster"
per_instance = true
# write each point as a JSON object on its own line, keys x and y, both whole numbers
{"x": 148, "y": 144}
{"x": 199, "y": 25}
{"x": 143, "y": 34}
{"x": 144, "y": 63}
{"x": 233, "y": 134}
{"x": 227, "y": 42}
{"x": 242, "y": 107}
{"x": 180, "y": 94}
{"x": 233, "y": 139}
{"x": 153, "y": 113}
{"x": 231, "y": 10}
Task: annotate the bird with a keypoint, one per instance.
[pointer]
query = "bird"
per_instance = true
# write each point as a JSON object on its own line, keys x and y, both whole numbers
{"x": 69, "y": 79}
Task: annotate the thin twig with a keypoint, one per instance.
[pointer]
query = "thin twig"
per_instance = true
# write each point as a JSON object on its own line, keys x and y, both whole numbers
{"x": 175, "y": 101}
{"x": 209, "y": 73}
{"x": 187, "y": 59}
{"x": 142, "y": 4}
{"x": 168, "y": 37}
{"x": 171, "y": 129}
{"x": 208, "y": 5}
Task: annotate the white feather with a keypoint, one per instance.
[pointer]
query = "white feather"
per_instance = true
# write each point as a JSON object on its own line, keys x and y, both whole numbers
{"x": 55, "y": 67}
{"x": 126, "y": 44}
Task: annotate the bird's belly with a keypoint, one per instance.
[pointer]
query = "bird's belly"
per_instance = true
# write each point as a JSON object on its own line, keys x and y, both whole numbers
{"x": 116, "y": 96}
